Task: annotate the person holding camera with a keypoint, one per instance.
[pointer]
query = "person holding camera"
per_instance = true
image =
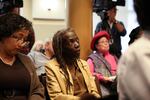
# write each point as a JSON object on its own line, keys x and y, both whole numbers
{"x": 114, "y": 27}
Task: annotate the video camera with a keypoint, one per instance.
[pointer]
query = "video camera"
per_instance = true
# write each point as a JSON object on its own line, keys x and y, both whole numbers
{"x": 7, "y": 5}
{"x": 101, "y": 6}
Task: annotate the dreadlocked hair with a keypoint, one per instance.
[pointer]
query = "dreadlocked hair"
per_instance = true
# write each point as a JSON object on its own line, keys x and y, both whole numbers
{"x": 58, "y": 50}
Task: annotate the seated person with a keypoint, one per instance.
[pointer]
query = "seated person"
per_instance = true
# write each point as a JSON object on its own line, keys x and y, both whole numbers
{"x": 135, "y": 34}
{"x": 41, "y": 53}
{"x": 102, "y": 63}
{"x": 67, "y": 76}
{"x": 18, "y": 78}
{"x": 38, "y": 46}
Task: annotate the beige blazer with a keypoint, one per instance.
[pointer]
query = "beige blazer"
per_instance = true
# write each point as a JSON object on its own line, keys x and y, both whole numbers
{"x": 56, "y": 82}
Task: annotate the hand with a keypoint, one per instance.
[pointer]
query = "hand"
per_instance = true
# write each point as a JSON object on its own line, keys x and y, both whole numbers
{"x": 119, "y": 26}
{"x": 107, "y": 79}
{"x": 112, "y": 78}
{"x": 112, "y": 19}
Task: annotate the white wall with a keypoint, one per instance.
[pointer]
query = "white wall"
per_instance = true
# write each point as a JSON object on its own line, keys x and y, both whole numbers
{"x": 44, "y": 28}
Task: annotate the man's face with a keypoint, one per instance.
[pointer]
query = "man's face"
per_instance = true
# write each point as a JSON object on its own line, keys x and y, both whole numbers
{"x": 112, "y": 13}
{"x": 71, "y": 47}
{"x": 16, "y": 10}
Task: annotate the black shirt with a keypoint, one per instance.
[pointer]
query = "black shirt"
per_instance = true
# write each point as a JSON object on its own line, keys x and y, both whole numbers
{"x": 15, "y": 77}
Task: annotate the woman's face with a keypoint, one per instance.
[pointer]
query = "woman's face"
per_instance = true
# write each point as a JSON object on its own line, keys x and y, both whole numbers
{"x": 103, "y": 45}
{"x": 15, "y": 42}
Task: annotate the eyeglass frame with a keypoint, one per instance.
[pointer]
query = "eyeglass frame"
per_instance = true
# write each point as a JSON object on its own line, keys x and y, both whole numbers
{"x": 19, "y": 38}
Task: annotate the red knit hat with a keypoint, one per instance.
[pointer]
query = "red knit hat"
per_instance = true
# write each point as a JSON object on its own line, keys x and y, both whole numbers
{"x": 97, "y": 36}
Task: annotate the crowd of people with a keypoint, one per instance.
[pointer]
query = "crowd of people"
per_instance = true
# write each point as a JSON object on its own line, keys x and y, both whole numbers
{"x": 53, "y": 70}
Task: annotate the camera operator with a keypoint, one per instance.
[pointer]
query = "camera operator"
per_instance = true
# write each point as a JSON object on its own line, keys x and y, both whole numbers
{"x": 114, "y": 27}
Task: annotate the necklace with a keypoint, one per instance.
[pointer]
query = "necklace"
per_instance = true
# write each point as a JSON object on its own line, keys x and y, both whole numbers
{"x": 8, "y": 62}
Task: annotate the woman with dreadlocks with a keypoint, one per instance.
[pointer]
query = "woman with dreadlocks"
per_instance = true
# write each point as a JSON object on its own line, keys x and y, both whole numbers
{"x": 68, "y": 77}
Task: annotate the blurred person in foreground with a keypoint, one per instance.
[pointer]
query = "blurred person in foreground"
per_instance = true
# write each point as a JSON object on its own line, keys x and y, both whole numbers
{"x": 134, "y": 65}
{"x": 18, "y": 79}
{"x": 68, "y": 77}
{"x": 135, "y": 34}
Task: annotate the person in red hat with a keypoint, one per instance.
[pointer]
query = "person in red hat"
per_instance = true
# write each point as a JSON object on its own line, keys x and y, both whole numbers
{"x": 103, "y": 64}
{"x": 115, "y": 28}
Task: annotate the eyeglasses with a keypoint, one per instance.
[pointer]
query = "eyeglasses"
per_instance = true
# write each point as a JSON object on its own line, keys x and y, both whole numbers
{"x": 103, "y": 42}
{"x": 22, "y": 42}
{"x": 19, "y": 38}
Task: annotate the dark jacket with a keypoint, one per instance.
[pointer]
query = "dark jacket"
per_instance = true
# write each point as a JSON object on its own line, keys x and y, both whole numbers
{"x": 36, "y": 88}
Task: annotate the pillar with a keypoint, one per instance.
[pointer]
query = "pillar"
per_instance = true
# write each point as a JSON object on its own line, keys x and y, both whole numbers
{"x": 79, "y": 17}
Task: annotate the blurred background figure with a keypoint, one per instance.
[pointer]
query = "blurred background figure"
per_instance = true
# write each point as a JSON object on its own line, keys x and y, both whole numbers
{"x": 38, "y": 58}
{"x": 114, "y": 27}
{"x": 18, "y": 78}
{"x": 48, "y": 48}
{"x": 67, "y": 76}
{"x": 42, "y": 52}
{"x": 135, "y": 34}
{"x": 134, "y": 65}
{"x": 103, "y": 64}
{"x": 39, "y": 46}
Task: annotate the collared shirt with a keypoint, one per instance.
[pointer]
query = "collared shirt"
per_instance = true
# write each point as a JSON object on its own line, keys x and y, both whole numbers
{"x": 78, "y": 82}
